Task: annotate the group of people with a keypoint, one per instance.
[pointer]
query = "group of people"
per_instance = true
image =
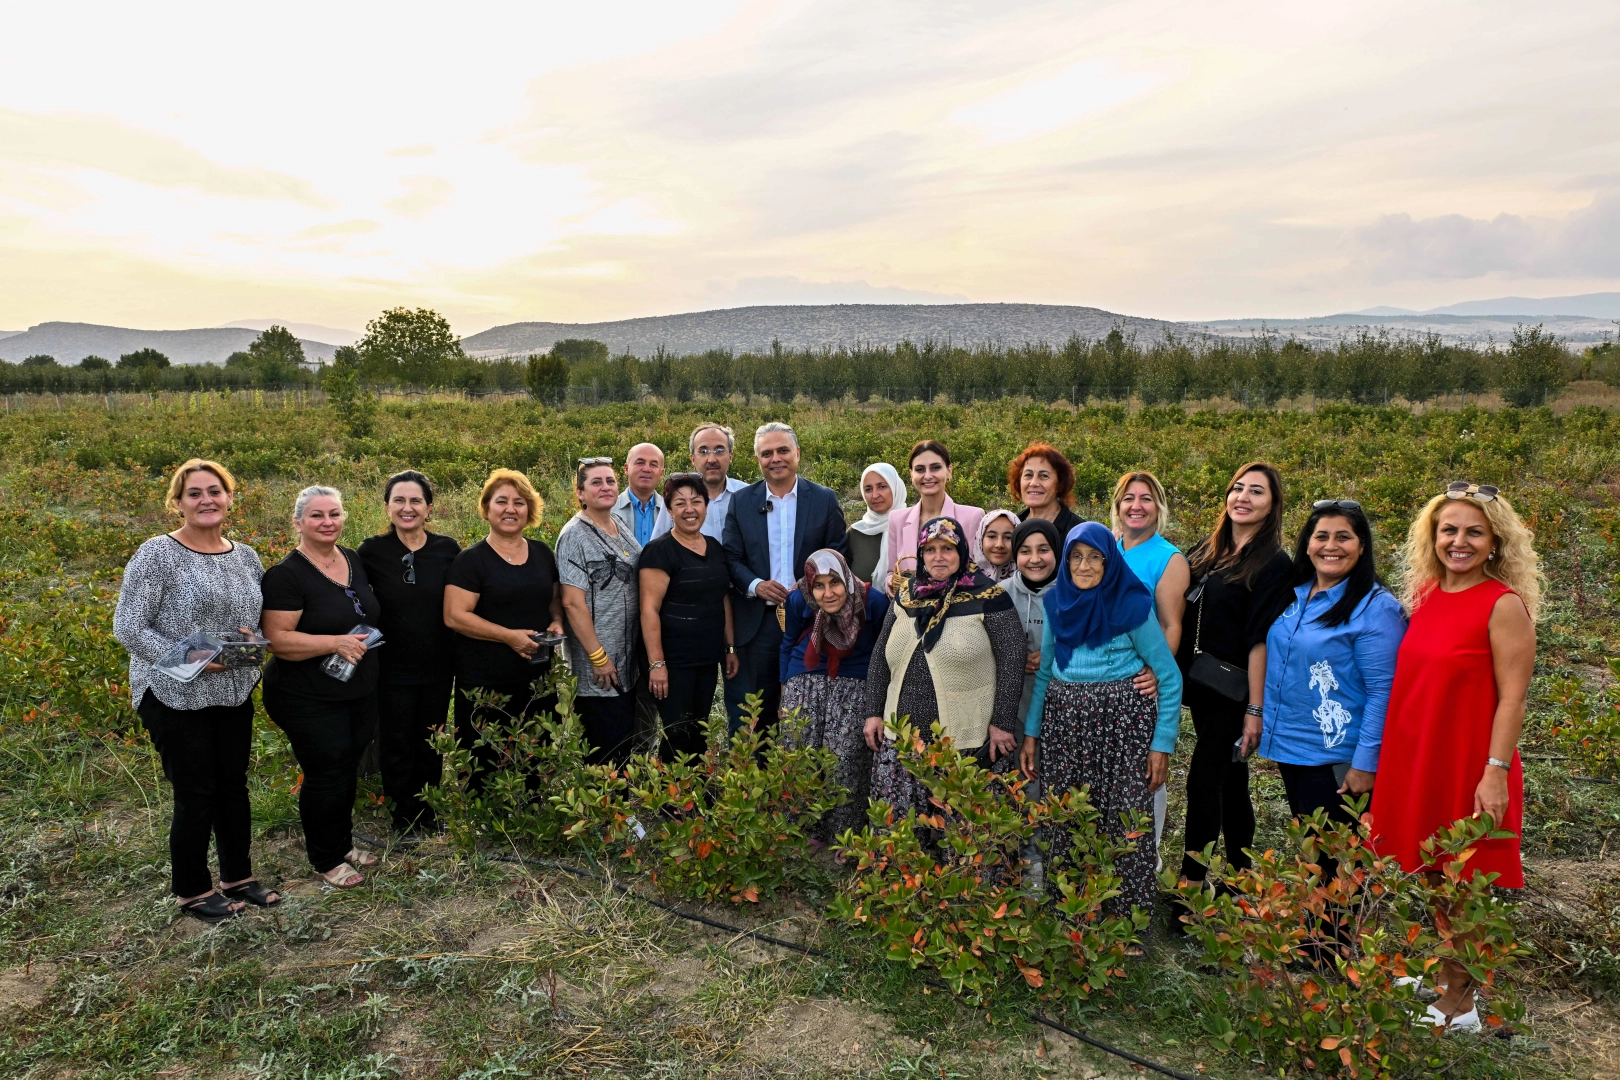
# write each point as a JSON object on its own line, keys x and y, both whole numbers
{"x": 1062, "y": 648}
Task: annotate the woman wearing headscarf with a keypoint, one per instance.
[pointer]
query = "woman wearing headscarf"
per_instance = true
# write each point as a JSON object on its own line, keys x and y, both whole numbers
{"x": 1035, "y": 551}
{"x": 994, "y": 542}
{"x": 832, "y": 622}
{"x": 1087, "y": 725}
{"x": 869, "y": 537}
{"x": 951, "y": 651}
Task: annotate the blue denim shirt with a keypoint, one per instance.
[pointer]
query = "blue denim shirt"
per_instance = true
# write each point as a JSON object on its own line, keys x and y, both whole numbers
{"x": 1327, "y": 687}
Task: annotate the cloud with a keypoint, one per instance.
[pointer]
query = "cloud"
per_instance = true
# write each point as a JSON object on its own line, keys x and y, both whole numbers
{"x": 419, "y": 150}
{"x": 423, "y": 195}
{"x": 1452, "y": 246}
{"x": 1043, "y": 104}
{"x": 340, "y": 228}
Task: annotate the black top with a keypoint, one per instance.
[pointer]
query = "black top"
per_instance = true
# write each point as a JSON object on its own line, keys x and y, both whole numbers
{"x": 693, "y": 614}
{"x": 419, "y": 645}
{"x": 294, "y": 584}
{"x": 1235, "y": 618}
{"x": 863, "y": 553}
{"x": 1066, "y": 519}
{"x": 516, "y": 597}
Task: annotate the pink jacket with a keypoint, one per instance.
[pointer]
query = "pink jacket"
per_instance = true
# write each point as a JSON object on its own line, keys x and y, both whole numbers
{"x": 903, "y": 526}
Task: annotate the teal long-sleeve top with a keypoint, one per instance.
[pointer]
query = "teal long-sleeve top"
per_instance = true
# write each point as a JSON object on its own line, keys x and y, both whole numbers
{"x": 1121, "y": 658}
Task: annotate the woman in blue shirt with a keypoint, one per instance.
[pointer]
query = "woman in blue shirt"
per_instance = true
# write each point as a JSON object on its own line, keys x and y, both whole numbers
{"x": 1330, "y": 664}
{"x": 1087, "y": 725}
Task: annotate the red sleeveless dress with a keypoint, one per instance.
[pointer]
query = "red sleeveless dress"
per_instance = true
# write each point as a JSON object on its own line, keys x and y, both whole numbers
{"x": 1438, "y": 734}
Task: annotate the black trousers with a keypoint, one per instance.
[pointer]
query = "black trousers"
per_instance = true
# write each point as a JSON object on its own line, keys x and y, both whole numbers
{"x": 610, "y": 724}
{"x": 691, "y": 696}
{"x": 327, "y": 739}
{"x": 205, "y": 758}
{"x": 522, "y": 703}
{"x": 1217, "y": 787}
{"x": 759, "y": 671}
{"x": 1311, "y": 788}
{"x": 407, "y": 714}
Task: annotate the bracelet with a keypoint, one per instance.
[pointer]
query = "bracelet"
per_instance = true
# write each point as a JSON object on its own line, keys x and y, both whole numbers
{"x": 599, "y": 658}
{"x": 731, "y": 650}
{"x": 656, "y": 664}
{"x": 1254, "y": 710}
{"x": 1499, "y": 763}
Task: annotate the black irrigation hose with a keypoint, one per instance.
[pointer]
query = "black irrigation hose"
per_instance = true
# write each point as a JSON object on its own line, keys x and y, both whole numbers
{"x": 807, "y": 950}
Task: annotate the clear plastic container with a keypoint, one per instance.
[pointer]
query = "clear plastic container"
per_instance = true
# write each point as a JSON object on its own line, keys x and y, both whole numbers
{"x": 339, "y": 668}
{"x": 191, "y": 655}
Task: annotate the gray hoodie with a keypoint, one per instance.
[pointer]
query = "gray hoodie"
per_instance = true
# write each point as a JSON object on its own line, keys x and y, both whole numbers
{"x": 1032, "y": 613}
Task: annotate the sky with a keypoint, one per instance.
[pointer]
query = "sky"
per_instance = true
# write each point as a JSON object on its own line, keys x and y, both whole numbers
{"x": 174, "y": 165}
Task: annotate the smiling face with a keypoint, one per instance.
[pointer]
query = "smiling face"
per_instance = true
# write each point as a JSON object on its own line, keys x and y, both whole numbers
{"x": 508, "y": 511}
{"x": 1249, "y": 500}
{"x": 777, "y": 456}
{"x": 929, "y": 474}
{"x": 941, "y": 559}
{"x": 322, "y": 522}
{"x": 688, "y": 509}
{"x": 1462, "y": 537}
{"x": 1036, "y": 558}
{"x": 204, "y": 502}
{"x": 711, "y": 456}
{"x": 1086, "y": 566}
{"x": 998, "y": 542}
{"x": 644, "y": 470}
{"x": 598, "y": 489}
{"x": 1334, "y": 548}
{"x": 408, "y": 507}
{"x": 1138, "y": 510}
{"x": 828, "y": 593}
{"x": 1038, "y": 483}
{"x": 875, "y": 490}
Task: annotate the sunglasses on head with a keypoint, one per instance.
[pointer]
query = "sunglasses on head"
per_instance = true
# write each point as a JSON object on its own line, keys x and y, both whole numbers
{"x": 409, "y": 561}
{"x": 1335, "y": 504}
{"x": 596, "y": 461}
{"x": 1462, "y": 489}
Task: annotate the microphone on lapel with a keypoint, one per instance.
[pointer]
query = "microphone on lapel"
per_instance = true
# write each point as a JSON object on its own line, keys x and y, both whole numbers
{"x": 767, "y": 508}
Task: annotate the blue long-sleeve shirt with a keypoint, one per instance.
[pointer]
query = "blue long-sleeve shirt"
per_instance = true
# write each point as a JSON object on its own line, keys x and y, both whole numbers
{"x": 796, "y": 636}
{"x": 1327, "y": 687}
{"x": 1121, "y": 658}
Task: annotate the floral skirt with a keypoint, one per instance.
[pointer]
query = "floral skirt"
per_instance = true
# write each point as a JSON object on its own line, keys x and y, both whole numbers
{"x": 832, "y": 716}
{"x": 1096, "y": 736}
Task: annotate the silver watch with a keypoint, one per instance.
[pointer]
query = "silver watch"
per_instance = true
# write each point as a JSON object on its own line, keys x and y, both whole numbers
{"x": 1499, "y": 763}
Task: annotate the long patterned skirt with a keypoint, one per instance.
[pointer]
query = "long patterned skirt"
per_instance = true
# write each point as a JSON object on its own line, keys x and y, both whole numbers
{"x": 1096, "y": 736}
{"x": 833, "y": 717}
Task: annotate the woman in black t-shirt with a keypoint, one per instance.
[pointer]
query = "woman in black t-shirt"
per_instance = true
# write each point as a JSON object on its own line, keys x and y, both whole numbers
{"x": 312, "y": 600}
{"x": 1240, "y": 584}
{"x": 685, "y": 616}
{"x": 500, "y": 591}
{"x": 408, "y": 568}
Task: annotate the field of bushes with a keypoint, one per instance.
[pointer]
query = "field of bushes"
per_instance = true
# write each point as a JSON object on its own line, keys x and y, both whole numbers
{"x": 457, "y": 960}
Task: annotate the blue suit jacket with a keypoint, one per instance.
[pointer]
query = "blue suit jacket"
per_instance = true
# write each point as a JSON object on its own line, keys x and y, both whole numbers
{"x": 818, "y": 524}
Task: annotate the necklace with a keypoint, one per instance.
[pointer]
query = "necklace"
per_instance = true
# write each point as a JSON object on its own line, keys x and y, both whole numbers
{"x": 327, "y": 568}
{"x": 512, "y": 560}
{"x": 697, "y": 549}
{"x": 607, "y": 538}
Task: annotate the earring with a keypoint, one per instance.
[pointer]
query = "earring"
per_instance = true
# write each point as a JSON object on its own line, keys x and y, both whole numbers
{"x": 1490, "y": 557}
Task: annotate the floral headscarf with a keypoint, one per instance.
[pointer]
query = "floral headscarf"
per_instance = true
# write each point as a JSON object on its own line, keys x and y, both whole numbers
{"x": 929, "y": 601}
{"x": 1008, "y": 568}
{"x": 834, "y": 635}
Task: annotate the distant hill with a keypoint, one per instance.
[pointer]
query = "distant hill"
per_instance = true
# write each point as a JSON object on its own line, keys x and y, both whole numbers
{"x": 72, "y": 342}
{"x": 815, "y": 326}
{"x": 1603, "y": 305}
{"x": 332, "y": 335}
{"x": 10, "y": 333}
{"x": 1577, "y": 330}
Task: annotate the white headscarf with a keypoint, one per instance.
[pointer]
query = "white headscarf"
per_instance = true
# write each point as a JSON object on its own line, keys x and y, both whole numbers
{"x": 997, "y": 573}
{"x": 873, "y": 523}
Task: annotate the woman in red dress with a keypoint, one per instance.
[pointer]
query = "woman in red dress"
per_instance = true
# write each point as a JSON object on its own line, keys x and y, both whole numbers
{"x": 1461, "y": 679}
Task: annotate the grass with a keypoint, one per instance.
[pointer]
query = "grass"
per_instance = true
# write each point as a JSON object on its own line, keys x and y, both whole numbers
{"x": 480, "y": 968}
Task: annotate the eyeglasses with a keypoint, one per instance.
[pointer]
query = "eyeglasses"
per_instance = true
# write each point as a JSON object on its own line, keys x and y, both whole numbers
{"x": 358, "y": 610}
{"x": 1462, "y": 489}
{"x": 596, "y": 461}
{"x": 1335, "y": 504}
{"x": 1095, "y": 558}
{"x": 409, "y": 560}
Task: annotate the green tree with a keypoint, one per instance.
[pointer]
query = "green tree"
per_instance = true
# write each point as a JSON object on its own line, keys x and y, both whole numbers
{"x": 547, "y": 378}
{"x": 580, "y": 351}
{"x": 410, "y": 348}
{"x": 277, "y": 357}
{"x": 1534, "y": 368}
{"x": 354, "y": 405}
{"x": 40, "y": 360}
{"x": 143, "y": 358}
{"x": 94, "y": 363}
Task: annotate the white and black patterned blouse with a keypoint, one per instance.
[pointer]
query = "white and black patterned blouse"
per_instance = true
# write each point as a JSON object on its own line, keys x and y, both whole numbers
{"x": 170, "y": 592}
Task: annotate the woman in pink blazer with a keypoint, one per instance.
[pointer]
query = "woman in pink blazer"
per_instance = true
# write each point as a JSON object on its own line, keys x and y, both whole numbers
{"x": 930, "y": 475}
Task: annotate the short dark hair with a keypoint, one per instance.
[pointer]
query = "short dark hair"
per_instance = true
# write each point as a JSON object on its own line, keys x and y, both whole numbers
{"x": 930, "y": 446}
{"x": 690, "y": 481}
{"x": 408, "y": 476}
{"x": 1363, "y": 577}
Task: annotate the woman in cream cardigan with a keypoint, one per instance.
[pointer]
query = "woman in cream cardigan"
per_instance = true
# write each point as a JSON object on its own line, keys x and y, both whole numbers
{"x": 931, "y": 475}
{"x": 951, "y": 650}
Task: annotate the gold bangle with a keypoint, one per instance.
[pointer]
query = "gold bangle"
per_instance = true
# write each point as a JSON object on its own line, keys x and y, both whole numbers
{"x": 599, "y": 658}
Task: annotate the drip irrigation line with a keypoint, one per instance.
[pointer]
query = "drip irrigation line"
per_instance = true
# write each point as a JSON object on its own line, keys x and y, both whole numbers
{"x": 806, "y": 950}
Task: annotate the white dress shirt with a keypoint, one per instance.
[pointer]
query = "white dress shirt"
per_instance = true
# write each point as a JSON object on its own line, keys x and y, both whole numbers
{"x": 779, "y": 529}
{"x": 715, "y": 524}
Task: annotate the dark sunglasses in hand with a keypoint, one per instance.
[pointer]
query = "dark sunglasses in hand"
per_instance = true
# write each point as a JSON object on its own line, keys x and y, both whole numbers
{"x": 409, "y": 561}
{"x": 1462, "y": 489}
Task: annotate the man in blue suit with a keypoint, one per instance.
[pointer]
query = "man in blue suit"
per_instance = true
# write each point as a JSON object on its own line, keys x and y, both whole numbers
{"x": 771, "y": 528}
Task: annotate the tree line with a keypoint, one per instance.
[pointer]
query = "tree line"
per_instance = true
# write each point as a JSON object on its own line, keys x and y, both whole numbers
{"x": 416, "y": 349}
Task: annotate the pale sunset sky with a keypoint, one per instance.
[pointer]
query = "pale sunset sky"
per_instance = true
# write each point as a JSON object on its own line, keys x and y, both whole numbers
{"x": 175, "y": 165}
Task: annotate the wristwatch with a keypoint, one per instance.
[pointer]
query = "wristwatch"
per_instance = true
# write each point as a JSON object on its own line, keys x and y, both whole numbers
{"x": 1499, "y": 763}
{"x": 658, "y": 664}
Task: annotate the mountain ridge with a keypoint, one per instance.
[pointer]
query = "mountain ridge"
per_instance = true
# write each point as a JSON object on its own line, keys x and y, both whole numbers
{"x": 71, "y": 342}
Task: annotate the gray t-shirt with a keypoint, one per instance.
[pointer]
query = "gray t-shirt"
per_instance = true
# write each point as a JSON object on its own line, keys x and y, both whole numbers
{"x": 605, "y": 568}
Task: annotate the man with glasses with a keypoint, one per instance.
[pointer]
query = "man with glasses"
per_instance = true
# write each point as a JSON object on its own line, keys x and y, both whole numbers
{"x": 711, "y": 447}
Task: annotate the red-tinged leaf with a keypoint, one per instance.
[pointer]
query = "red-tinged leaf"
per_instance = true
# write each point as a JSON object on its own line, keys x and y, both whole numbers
{"x": 704, "y": 848}
{"x": 1412, "y": 934}
{"x": 1310, "y": 990}
{"x": 1344, "y": 1056}
{"x": 1331, "y": 1042}
{"x": 1001, "y": 912}
{"x": 750, "y": 894}
{"x": 1493, "y": 1021}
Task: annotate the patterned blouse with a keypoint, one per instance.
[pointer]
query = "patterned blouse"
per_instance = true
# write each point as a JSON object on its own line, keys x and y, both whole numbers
{"x": 171, "y": 592}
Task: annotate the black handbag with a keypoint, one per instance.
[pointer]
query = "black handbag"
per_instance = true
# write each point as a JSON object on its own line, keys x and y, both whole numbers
{"x": 1227, "y": 680}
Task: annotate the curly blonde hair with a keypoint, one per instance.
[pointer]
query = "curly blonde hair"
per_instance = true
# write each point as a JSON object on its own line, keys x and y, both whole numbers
{"x": 513, "y": 479}
{"x": 1516, "y": 564}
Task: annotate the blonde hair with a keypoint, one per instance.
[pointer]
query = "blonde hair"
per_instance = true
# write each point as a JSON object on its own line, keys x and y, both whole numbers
{"x": 1159, "y": 498}
{"x": 310, "y": 494}
{"x": 177, "y": 482}
{"x": 511, "y": 477}
{"x": 1516, "y": 564}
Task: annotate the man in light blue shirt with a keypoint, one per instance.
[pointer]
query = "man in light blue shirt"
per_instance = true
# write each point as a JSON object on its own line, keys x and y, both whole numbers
{"x": 639, "y": 506}
{"x": 711, "y": 447}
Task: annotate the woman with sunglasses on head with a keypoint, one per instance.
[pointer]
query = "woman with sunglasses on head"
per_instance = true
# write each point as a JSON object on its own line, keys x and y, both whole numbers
{"x": 1462, "y": 679}
{"x": 930, "y": 466}
{"x": 313, "y": 601}
{"x": 1240, "y": 576}
{"x": 408, "y": 568}
{"x": 500, "y": 594}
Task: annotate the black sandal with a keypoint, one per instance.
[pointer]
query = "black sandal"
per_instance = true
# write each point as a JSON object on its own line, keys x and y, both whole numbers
{"x": 254, "y": 893}
{"x": 212, "y": 908}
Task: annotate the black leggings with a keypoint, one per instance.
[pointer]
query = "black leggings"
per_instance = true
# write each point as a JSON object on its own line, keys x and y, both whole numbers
{"x": 691, "y": 696}
{"x": 1217, "y": 787}
{"x": 205, "y": 757}
{"x": 407, "y": 714}
{"x": 327, "y": 739}
{"x": 522, "y": 703}
{"x": 609, "y": 725}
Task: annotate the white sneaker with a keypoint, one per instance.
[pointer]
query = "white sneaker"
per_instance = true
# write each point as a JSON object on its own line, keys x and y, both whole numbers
{"x": 1466, "y": 1023}
{"x": 1425, "y": 992}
